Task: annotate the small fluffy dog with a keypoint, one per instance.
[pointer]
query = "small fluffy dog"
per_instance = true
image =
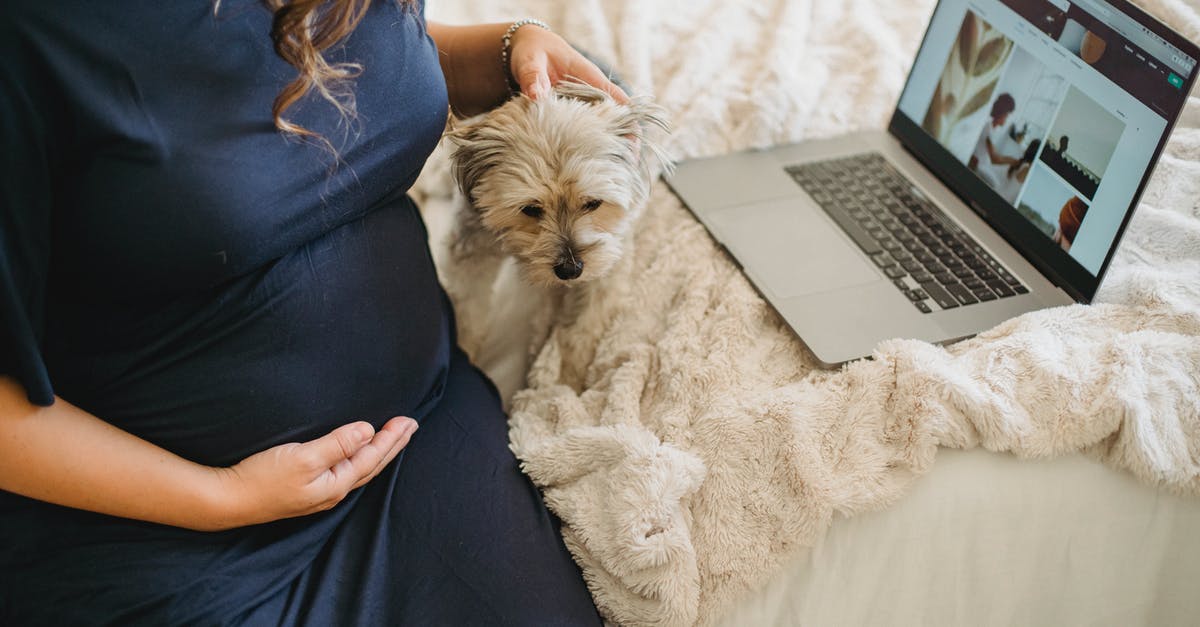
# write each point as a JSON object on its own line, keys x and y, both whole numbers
{"x": 554, "y": 184}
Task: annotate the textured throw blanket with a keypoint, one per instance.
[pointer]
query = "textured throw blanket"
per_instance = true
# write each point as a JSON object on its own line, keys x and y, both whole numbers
{"x": 688, "y": 440}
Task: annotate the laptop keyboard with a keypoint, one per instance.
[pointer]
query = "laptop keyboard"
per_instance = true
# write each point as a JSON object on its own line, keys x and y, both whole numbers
{"x": 928, "y": 257}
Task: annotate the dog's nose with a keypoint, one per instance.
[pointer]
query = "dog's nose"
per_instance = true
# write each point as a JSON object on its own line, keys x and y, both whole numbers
{"x": 568, "y": 269}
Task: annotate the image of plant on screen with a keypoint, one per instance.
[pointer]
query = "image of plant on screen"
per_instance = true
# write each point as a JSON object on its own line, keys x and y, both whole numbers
{"x": 972, "y": 71}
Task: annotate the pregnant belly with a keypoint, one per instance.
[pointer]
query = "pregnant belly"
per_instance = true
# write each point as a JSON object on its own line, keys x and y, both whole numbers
{"x": 352, "y": 326}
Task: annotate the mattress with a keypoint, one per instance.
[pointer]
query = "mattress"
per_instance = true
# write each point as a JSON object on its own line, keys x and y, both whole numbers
{"x": 987, "y": 539}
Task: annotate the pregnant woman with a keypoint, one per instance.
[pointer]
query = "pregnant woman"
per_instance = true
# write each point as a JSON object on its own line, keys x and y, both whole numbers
{"x": 222, "y": 326}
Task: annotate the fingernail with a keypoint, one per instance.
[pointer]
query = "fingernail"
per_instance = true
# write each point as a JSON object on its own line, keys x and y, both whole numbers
{"x": 366, "y": 433}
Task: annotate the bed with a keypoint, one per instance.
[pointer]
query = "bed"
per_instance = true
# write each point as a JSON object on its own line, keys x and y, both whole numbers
{"x": 708, "y": 472}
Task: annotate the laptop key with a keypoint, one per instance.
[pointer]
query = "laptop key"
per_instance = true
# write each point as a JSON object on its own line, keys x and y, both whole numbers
{"x": 883, "y": 260}
{"x": 939, "y": 295}
{"x": 936, "y": 268}
{"x": 1000, "y": 288}
{"x": 963, "y": 295}
{"x": 855, "y": 232}
{"x": 922, "y": 306}
{"x": 945, "y": 278}
{"x": 1020, "y": 289}
{"x": 894, "y": 272}
{"x": 984, "y": 294}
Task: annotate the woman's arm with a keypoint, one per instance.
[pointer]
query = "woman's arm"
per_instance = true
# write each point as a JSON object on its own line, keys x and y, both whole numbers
{"x": 64, "y": 455}
{"x": 998, "y": 158}
{"x": 475, "y": 80}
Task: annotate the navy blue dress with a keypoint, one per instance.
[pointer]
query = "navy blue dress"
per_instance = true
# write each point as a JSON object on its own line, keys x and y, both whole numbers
{"x": 172, "y": 264}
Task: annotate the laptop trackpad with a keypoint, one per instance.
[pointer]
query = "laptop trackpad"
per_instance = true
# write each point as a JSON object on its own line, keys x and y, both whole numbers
{"x": 792, "y": 249}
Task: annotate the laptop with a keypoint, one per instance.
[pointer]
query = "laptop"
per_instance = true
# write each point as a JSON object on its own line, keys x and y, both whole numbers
{"x": 1022, "y": 140}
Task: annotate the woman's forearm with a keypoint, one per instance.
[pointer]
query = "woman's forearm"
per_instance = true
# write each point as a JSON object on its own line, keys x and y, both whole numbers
{"x": 470, "y": 58}
{"x": 64, "y": 455}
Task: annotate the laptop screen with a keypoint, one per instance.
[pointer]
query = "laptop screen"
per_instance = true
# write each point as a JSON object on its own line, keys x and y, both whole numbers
{"x": 1047, "y": 115}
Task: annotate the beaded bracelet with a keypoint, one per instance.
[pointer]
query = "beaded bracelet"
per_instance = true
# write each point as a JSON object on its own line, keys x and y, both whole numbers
{"x": 506, "y": 48}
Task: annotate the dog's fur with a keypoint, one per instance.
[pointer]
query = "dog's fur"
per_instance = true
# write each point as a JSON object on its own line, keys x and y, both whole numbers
{"x": 555, "y": 184}
{"x": 578, "y": 160}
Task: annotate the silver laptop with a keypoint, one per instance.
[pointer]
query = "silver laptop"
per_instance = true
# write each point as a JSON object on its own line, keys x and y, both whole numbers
{"x": 1018, "y": 150}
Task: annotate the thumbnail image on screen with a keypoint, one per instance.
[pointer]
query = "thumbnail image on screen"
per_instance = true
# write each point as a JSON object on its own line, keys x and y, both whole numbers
{"x": 1082, "y": 142}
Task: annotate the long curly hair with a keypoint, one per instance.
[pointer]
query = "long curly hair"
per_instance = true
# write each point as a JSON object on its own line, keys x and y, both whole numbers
{"x": 302, "y": 31}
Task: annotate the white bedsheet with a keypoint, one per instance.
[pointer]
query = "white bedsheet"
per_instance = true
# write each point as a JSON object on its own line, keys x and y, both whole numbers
{"x": 986, "y": 539}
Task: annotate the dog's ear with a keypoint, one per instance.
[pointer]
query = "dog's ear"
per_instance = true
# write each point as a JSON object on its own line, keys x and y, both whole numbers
{"x": 644, "y": 124}
{"x": 477, "y": 148}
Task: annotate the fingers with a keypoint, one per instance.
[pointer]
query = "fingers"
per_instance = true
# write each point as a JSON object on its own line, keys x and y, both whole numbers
{"x": 548, "y": 58}
{"x": 403, "y": 428}
{"x": 340, "y": 444}
{"x": 534, "y": 77}
{"x": 587, "y": 72}
{"x": 352, "y": 455}
{"x": 373, "y": 456}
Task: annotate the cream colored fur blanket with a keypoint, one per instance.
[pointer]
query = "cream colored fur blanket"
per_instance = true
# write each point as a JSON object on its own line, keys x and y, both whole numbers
{"x": 688, "y": 440}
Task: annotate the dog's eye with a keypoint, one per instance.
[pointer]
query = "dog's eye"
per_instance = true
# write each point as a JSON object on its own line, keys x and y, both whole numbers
{"x": 532, "y": 211}
{"x": 592, "y": 205}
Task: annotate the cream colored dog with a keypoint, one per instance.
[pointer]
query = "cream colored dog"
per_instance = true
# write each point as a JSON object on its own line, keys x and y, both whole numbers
{"x": 554, "y": 184}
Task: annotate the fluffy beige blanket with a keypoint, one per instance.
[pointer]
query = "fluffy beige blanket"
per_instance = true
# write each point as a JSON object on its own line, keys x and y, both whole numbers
{"x": 688, "y": 440}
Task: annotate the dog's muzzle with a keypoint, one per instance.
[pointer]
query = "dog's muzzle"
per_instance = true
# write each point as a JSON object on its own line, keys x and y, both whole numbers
{"x": 569, "y": 268}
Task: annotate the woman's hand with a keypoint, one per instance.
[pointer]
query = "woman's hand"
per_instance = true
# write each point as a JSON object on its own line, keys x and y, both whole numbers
{"x": 475, "y": 80}
{"x": 540, "y": 59}
{"x": 303, "y": 478}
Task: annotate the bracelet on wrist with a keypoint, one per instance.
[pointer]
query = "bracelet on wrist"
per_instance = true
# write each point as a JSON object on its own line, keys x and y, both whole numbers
{"x": 506, "y": 50}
